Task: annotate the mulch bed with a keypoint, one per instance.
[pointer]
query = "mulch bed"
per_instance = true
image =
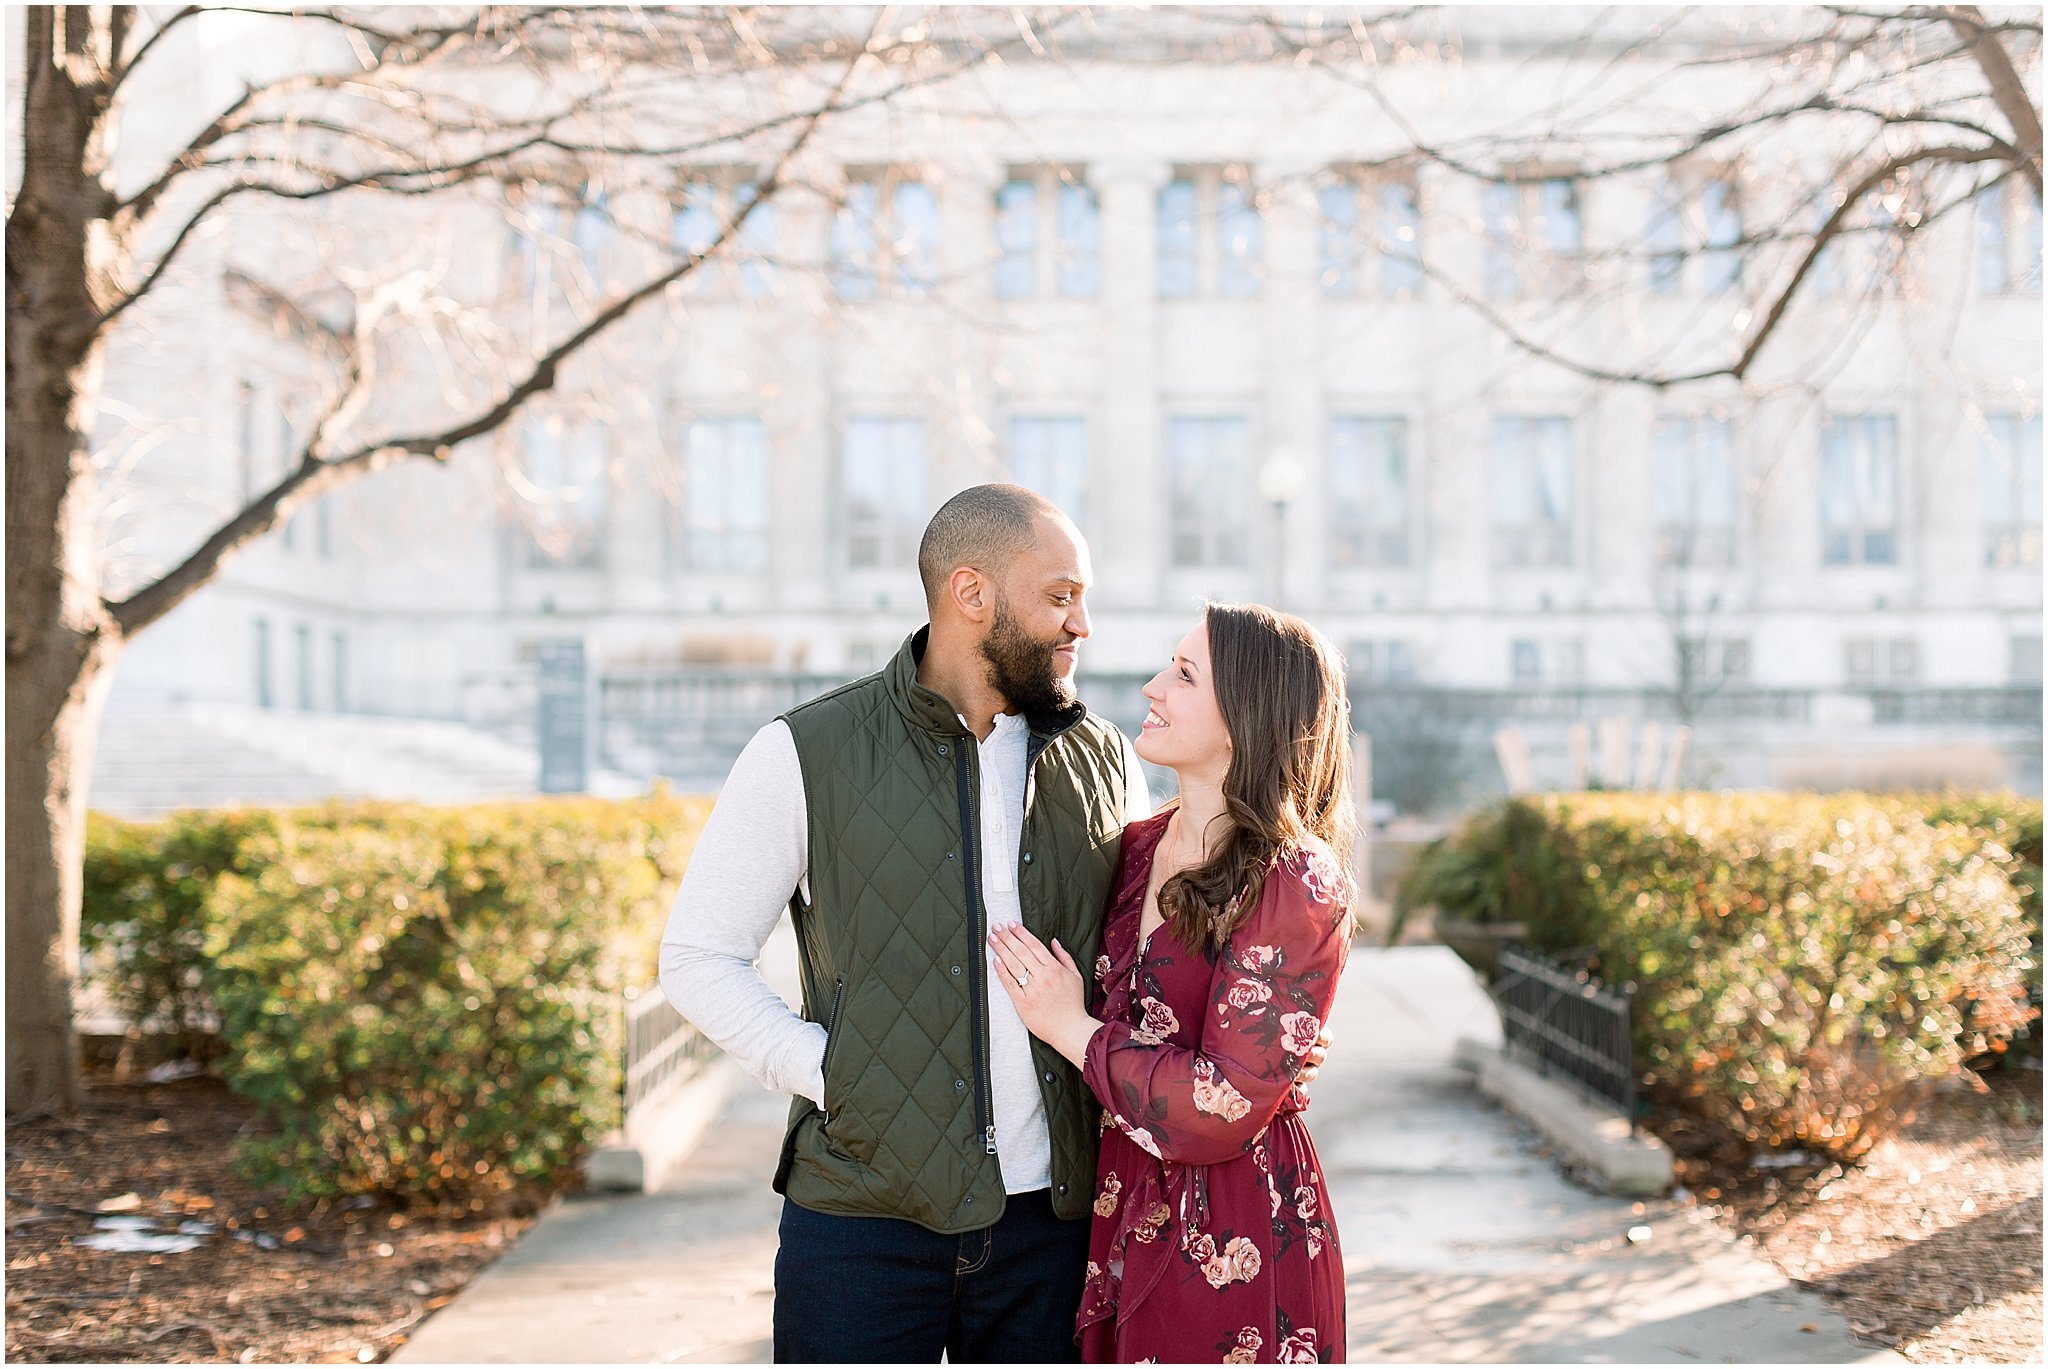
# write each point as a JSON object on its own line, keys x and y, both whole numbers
{"x": 1930, "y": 1245}
{"x": 270, "y": 1282}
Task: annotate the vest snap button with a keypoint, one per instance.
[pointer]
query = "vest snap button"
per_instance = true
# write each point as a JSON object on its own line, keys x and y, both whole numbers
{"x": 956, "y": 969}
{"x": 959, "y": 1083}
{"x": 1027, "y": 857}
{"x": 1063, "y": 1188}
{"x": 942, "y": 749}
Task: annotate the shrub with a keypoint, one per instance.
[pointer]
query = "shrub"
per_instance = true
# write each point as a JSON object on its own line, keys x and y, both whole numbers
{"x": 426, "y": 1002}
{"x": 142, "y": 929}
{"x": 1803, "y": 966}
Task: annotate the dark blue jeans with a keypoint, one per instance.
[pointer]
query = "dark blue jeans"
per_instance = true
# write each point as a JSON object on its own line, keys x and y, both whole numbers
{"x": 875, "y": 1289}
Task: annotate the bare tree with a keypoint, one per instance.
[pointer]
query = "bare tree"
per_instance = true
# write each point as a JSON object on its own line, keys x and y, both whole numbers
{"x": 396, "y": 106}
{"x": 1919, "y": 108}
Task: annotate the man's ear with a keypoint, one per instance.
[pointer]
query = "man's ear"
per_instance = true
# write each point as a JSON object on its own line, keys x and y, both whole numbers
{"x": 972, "y": 594}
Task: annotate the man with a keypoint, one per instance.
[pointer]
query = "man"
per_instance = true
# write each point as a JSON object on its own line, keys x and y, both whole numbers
{"x": 939, "y": 1162}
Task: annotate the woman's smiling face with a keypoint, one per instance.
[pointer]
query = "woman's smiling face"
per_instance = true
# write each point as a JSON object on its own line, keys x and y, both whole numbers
{"x": 1184, "y": 728}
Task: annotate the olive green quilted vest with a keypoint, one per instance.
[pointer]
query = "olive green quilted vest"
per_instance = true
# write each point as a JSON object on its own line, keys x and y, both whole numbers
{"x": 893, "y": 951}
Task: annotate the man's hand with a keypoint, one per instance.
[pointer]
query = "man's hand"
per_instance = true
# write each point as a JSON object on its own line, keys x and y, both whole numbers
{"x": 1312, "y": 1063}
{"x": 1047, "y": 987}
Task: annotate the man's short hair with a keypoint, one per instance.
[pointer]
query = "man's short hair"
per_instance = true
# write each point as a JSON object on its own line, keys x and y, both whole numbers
{"x": 985, "y": 526}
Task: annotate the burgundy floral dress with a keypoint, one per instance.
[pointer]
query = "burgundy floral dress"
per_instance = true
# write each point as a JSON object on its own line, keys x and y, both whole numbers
{"x": 1212, "y": 1239}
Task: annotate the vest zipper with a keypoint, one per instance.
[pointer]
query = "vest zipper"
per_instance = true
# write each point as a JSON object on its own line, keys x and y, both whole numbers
{"x": 977, "y": 958}
{"x": 831, "y": 1032}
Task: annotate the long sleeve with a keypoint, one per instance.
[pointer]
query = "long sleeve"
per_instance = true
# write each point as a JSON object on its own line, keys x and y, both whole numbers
{"x": 1272, "y": 988}
{"x": 1137, "y": 794}
{"x": 750, "y": 858}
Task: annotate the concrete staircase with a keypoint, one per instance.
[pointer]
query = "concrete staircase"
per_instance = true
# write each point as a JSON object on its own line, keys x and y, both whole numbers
{"x": 156, "y": 757}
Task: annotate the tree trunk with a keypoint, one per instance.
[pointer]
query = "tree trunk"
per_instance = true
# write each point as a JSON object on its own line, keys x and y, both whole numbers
{"x": 61, "y": 641}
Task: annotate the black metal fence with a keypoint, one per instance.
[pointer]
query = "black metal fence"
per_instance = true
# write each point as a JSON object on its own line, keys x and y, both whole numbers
{"x": 663, "y": 1052}
{"x": 1569, "y": 1025}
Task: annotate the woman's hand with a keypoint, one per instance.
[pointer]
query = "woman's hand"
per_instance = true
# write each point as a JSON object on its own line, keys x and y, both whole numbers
{"x": 1047, "y": 987}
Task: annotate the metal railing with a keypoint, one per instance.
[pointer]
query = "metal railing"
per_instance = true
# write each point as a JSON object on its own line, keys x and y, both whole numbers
{"x": 1568, "y": 1025}
{"x": 663, "y": 1051}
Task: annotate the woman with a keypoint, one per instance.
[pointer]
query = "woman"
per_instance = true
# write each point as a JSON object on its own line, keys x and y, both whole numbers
{"x": 1228, "y": 926}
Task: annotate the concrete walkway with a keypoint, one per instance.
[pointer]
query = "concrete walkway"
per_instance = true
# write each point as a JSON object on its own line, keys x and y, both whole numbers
{"x": 1461, "y": 1242}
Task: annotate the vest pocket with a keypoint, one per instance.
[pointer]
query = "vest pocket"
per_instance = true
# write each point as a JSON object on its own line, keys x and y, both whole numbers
{"x": 831, "y": 1043}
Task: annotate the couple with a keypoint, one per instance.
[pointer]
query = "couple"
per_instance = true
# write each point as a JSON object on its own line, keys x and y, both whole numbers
{"x": 1047, "y": 1077}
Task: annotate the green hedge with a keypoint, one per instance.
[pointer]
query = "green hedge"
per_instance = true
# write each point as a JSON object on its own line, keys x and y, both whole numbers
{"x": 421, "y": 1001}
{"x": 1803, "y": 965}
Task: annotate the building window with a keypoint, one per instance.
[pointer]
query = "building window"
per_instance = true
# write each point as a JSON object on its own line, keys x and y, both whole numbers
{"x": 1222, "y": 200}
{"x": 1827, "y": 275}
{"x": 1880, "y": 661}
{"x": 547, "y": 221}
{"x": 1210, "y": 464}
{"x": 2008, "y": 239}
{"x": 1859, "y": 490}
{"x": 1722, "y": 220}
{"x": 1241, "y": 240}
{"x": 1400, "y": 240}
{"x": 323, "y": 527}
{"x": 1050, "y": 455}
{"x": 341, "y": 672}
{"x": 1370, "y": 219}
{"x": 855, "y": 243}
{"x": 871, "y": 247}
{"x": 303, "y": 639}
{"x": 1017, "y": 240}
{"x": 1341, "y": 246}
{"x": 1178, "y": 243}
{"x": 1078, "y": 242}
{"x": 563, "y": 493}
{"x": 1532, "y": 491}
{"x": 2025, "y": 665}
{"x": 264, "y": 698}
{"x": 1666, "y": 237}
{"x": 725, "y": 495}
{"x": 1713, "y": 660}
{"x": 1693, "y": 485}
{"x": 2010, "y": 485}
{"x": 884, "y": 477}
{"x": 1387, "y": 662}
{"x": 1501, "y": 208}
{"x": 1044, "y": 204}
{"x": 1369, "y": 514}
{"x": 693, "y": 227}
{"x": 1536, "y": 219}
{"x": 1559, "y": 662}
{"x": 756, "y": 242}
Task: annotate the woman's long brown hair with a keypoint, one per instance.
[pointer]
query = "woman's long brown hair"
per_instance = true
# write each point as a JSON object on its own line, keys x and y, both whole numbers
{"x": 1280, "y": 687}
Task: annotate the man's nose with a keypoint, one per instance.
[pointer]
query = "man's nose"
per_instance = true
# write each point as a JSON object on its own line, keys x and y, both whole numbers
{"x": 1078, "y": 622}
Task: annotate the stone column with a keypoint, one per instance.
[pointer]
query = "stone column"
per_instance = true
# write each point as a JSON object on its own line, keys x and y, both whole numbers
{"x": 796, "y": 402}
{"x": 966, "y": 449}
{"x": 1130, "y": 545}
{"x": 1294, "y": 422}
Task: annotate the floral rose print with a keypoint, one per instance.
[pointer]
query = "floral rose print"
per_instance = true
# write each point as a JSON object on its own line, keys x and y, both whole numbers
{"x": 1248, "y": 996}
{"x": 1245, "y": 1349}
{"x": 1216, "y": 1243}
{"x": 1298, "y": 1032}
{"x": 1259, "y": 959}
{"x": 1299, "y": 1348}
{"x": 1215, "y": 1095}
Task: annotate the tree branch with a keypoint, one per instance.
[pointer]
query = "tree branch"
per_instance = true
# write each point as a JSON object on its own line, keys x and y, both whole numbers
{"x": 2007, "y": 90}
{"x": 315, "y": 474}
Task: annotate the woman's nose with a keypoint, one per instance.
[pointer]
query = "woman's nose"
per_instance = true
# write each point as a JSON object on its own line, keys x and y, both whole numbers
{"x": 1152, "y": 690}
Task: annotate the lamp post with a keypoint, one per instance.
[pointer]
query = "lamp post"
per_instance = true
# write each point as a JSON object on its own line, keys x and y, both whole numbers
{"x": 1280, "y": 482}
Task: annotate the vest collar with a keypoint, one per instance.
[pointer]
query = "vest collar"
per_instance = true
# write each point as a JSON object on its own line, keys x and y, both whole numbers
{"x": 933, "y": 712}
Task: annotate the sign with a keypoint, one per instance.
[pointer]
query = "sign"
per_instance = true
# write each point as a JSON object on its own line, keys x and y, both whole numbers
{"x": 564, "y": 716}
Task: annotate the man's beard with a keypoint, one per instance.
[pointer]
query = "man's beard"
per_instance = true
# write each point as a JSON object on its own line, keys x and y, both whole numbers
{"x": 1022, "y": 668}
